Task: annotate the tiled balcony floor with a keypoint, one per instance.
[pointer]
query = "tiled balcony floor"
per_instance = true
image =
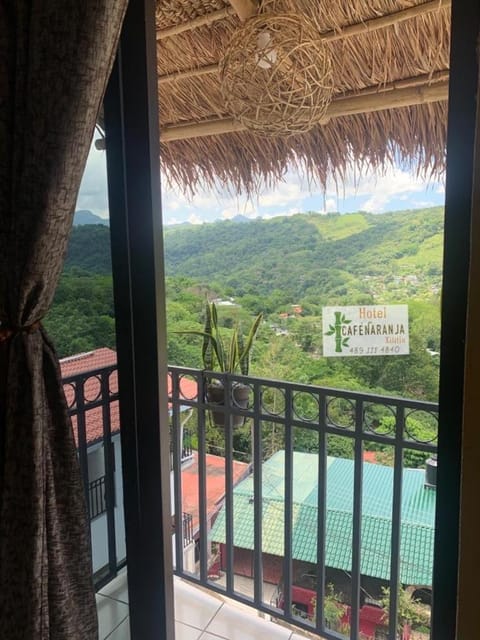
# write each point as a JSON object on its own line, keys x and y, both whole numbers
{"x": 198, "y": 616}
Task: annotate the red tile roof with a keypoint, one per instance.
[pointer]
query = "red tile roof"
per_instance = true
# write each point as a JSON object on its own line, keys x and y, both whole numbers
{"x": 85, "y": 362}
{"x": 215, "y": 485}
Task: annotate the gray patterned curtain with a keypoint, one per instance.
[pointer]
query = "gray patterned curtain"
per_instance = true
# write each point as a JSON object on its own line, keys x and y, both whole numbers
{"x": 56, "y": 56}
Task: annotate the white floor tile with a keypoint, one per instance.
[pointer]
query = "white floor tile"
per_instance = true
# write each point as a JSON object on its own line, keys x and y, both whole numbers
{"x": 117, "y": 588}
{"x": 199, "y": 615}
{"x": 182, "y": 632}
{"x": 185, "y": 632}
{"x": 122, "y": 632}
{"x": 110, "y": 614}
{"x": 193, "y": 606}
{"x": 233, "y": 623}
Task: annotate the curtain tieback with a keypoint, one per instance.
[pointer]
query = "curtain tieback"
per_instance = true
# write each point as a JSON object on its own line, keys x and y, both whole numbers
{"x": 9, "y": 332}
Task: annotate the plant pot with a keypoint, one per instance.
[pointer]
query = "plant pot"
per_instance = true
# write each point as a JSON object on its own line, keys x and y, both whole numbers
{"x": 239, "y": 399}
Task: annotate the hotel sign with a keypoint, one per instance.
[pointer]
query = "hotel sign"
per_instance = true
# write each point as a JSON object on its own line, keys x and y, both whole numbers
{"x": 373, "y": 330}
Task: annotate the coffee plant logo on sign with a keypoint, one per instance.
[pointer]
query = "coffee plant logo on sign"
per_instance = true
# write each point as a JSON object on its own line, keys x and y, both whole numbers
{"x": 336, "y": 330}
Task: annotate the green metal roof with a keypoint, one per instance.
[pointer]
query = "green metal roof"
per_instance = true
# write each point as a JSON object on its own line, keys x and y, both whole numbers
{"x": 417, "y": 528}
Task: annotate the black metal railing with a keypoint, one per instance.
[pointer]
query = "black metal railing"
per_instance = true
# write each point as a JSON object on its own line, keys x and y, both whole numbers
{"x": 187, "y": 449}
{"x": 92, "y": 400}
{"x": 400, "y": 431}
{"x": 273, "y": 415}
{"x": 97, "y": 503}
{"x": 187, "y": 529}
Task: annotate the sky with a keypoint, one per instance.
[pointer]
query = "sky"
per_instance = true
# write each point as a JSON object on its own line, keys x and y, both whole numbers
{"x": 394, "y": 190}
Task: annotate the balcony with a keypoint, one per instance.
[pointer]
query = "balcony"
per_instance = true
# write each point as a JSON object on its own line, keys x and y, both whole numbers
{"x": 315, "y": 520}
{"x": 199, "y": 615}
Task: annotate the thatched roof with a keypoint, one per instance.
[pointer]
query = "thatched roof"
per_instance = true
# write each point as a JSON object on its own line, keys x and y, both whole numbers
{"x": 390, "y": 66}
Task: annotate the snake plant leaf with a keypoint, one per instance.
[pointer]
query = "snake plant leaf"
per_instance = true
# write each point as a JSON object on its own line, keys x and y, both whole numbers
{"x": 233, "y": 355}
{"x": 207, "y": 347}
{"x": 244, "y": 355}
{"x": 243, "y": 362}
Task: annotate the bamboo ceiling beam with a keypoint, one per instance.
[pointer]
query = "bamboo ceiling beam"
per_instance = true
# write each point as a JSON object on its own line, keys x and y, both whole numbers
{"x": 436, "y": 76}
{"x": 345, "y": 106}
{"x": 368, "y": 26}
{"x": 189, "y": 73}
{"x": 386, "y": 21}
{"x": 245, "y": 8}
{"x": 201, "y": 21}
{"x": 415, "y": 81}
{"x": 389, "y": 99}
{"x": 191, "y": 130}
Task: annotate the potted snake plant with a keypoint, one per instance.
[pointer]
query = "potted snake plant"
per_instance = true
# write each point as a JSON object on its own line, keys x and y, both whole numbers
{"x": 227, "y": 355}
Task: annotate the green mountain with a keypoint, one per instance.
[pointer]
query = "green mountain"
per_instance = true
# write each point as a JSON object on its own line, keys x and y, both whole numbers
{"x": 89, "y": 249}
{"x": 359, "y": 257}
{"x": 85, "y": 216}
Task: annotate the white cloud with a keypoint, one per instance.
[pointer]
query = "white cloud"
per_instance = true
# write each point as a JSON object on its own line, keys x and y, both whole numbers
{"x": 244, "y": 207}
{"x": 331, "y": 204}
{"x": 173, "y": 200}
{"x": 284, "y": 194}
{"x": 395, "y": 187}
{"x": 93, "y": 189}
{"x": 173, "y": 204}
{"x": 194, "y": 219}
{"x": 392, "y": 178}
{"x": 291, "y": 193}
{"x": 203, "y": 200}
{"x": 204, "y": 204}
{"x": 380, "y": 190}
{"x": 172, "y": 221}
{"x": 249, "y": 209}
{"x": 423, "y": 204}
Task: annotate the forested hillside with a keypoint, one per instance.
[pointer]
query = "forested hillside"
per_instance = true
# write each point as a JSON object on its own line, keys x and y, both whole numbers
{"x": 313, "y": 258}
{"x": 89, "y": 249}
{"x": 308, "y": 261}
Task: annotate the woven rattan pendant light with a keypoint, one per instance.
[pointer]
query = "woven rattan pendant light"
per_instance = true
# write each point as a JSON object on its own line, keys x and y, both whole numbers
{"x": 276, "y": 74}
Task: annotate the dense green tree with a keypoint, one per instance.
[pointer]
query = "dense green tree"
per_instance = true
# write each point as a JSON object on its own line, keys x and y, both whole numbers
{"x": 82, "y": 315}
{"x": 89, "y": 249}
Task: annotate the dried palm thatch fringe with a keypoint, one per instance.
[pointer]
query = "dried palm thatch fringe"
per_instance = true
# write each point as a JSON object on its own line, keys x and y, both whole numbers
{"x": 397, "y": 54}
{"x": 413, "y": 136}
